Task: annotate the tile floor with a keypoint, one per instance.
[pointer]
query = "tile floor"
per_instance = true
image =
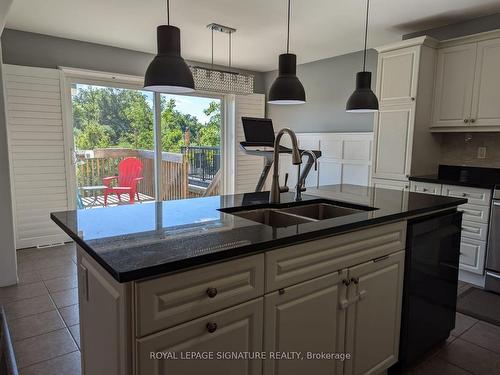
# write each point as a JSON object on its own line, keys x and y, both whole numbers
{"x": 42, "y": 313}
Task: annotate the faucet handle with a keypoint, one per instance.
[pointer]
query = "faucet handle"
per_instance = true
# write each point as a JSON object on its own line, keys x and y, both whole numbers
{"x": 284, "y": 188}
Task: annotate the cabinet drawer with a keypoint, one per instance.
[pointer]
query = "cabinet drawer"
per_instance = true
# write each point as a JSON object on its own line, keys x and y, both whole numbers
{"x": 473, "y": 212}
{"x": 477, "y": 196}
{"x": 425, "y": 187}
{"x": 177, "y": 298}
{"x": 236, "y": 329}
{"x": 294, "y": 264}
{"x": 472, "y": 255}
{"x": 476, "y": 231}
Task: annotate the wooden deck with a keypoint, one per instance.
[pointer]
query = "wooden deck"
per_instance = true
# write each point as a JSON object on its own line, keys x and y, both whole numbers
{"x": 98, "y": 200}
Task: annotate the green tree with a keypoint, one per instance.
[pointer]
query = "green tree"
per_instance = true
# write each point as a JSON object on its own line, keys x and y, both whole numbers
{"x": 210, "y": 132}
{"x": 93, "y": 135}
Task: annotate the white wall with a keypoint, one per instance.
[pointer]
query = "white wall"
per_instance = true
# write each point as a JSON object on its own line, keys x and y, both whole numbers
{"x": 8, "y": 267}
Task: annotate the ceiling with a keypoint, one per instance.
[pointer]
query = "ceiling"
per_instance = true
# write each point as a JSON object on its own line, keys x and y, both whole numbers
{"x": 319, "y": 29}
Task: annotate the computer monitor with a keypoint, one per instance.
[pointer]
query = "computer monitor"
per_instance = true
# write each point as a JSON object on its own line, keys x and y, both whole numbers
{"x": 258, "y": 131}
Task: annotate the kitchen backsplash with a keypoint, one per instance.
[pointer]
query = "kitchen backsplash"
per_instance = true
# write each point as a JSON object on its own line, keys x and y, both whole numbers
{"x": 464, "y": 149}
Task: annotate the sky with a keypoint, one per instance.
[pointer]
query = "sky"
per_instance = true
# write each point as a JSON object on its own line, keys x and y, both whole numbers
{"x": 193, "y": 105}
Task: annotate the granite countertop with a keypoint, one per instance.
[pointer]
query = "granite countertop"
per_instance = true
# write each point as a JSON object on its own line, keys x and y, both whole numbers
{"x": 145, "y": 240}
{"x": 480, "y": 177}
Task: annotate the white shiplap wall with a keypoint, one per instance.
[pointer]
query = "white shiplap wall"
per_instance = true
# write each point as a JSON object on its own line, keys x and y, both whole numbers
{"x": 37, "y": 154}
{"x": 247, "y": 168}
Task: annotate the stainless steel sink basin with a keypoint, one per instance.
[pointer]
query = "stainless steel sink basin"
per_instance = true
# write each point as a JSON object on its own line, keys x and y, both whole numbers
{"x": 320, "y": 211}
{"x": 273, "y": 217}
{"x": 297, "y": 214}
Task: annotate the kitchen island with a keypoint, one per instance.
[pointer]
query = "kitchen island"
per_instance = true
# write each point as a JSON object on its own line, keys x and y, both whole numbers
{"x": 239, "y": 286}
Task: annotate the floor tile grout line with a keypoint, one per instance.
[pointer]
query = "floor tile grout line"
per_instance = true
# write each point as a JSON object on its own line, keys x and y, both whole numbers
{"x": 50, "y": 359}
{"x": 40, "y": 334}
{"x": 65, "y": 325}
{"x": 481, "y": 346}
{"x": 477, "y": 321}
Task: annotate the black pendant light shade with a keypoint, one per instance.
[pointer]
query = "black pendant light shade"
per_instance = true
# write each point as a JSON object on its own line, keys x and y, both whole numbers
{"x": 362, "y": 99}
{"x": 287, "y": 88}
{"x": 168, "y": 72}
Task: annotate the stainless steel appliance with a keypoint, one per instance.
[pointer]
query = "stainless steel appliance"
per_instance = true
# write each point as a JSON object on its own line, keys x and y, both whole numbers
{"x": 493, "y": 258}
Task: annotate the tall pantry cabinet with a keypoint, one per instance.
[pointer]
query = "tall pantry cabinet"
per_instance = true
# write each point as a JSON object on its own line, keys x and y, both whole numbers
{"x": 403, "y": 145}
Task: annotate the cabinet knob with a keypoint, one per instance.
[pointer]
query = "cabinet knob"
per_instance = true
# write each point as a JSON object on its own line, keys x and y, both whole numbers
{"x": 281, "y": 291}
{"x": 346, "y": 282}
{"x": 211, "y": 292}
{"x": 473, "y": 120}
{"x": 211, "y": 327}
{"x": 466, "y": 120}
{"x": 412, "y": 98}
{"x": 355, "y": 280}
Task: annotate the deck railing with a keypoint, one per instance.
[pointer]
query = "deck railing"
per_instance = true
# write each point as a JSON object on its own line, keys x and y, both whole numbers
{"x": 204, "y": 162}
{"x": 104, "y": 163}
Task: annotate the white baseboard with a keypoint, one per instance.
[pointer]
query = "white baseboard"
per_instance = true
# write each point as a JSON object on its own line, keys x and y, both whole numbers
{"x": 471, "y": 278}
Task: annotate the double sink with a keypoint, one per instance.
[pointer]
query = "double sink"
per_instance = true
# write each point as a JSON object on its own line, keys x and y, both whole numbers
{"x": 297, "y": 214}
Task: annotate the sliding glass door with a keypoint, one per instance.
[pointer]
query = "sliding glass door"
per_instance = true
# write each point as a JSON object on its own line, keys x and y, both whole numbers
{"x": 133, "y": 146}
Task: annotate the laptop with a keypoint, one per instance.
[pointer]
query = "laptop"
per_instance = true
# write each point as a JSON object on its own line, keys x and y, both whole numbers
{"x": 258, "y": 132}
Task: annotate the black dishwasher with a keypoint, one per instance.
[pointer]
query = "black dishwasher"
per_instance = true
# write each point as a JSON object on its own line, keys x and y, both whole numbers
{"x": 430, "y": 285}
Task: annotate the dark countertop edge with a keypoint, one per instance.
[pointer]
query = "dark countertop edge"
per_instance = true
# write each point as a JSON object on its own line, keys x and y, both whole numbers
{"x": 202, "y": 260}
{"x": 437, "y": 180}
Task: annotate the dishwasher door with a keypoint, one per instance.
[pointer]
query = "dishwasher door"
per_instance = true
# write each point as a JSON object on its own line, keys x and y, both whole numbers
{"x": 493, "y": 258}
{"x": 430, "y": 284}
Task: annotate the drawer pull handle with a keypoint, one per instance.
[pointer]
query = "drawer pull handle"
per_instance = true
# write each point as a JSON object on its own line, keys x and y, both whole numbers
{"x": 211, "y": 292}
{"x": 380, "y": 259}
{"x": 471, "y": 230}
{"x": 465, "y": 195}
{"x": 211, "y": 327}
{"x": 281, "y": 291}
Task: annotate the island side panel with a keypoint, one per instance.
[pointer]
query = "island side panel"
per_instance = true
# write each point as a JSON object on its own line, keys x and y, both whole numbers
{"x": 106, "y": 320}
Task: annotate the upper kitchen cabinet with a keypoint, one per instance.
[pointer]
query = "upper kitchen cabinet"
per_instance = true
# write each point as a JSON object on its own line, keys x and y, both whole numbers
{"x": 455, "y": 80}
{"x": 402, "y": 143}
{"x": 397, "y": 75}
{"x": 465, "y": 96}
{"x": 486, "y": 102}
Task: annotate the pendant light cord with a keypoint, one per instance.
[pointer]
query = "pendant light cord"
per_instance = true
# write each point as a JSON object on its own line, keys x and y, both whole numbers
{"x": 168, "y": 12}
{"x": 288, "y": 29}
{"x": 366, "y": 34}
{"x": 230, "y": 43}
{"x": 212, "y": 48}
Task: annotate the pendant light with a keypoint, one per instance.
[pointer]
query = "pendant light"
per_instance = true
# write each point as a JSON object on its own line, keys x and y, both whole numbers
{"x": 168, "y": 72}
{"x": 287, "y": 88}
{"x": 363, "y": 99}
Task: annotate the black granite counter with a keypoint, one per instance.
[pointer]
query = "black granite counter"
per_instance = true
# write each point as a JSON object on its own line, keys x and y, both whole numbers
{"x": 143, "y": 240}
{"x": 479, "y": 177}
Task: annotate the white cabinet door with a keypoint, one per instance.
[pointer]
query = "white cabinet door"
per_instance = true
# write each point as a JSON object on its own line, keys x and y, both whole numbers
{"x": 104, "y": 339}
{"x": 393, "y": 142}
{"x": 454, "y": 84}
{"x": 374, "y": 315}
{"x": 472, "y": 255}
{"x": 306, "y": 318}
{"x": 486, "y": 100}
{"x": 237, "y": 329}
{"x": 397, "y": 76}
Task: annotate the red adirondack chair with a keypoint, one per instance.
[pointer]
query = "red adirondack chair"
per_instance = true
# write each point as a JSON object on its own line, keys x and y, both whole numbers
{"x": 129, "y": 175}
